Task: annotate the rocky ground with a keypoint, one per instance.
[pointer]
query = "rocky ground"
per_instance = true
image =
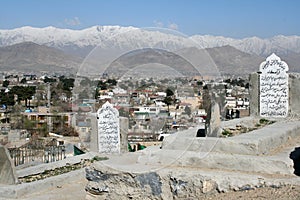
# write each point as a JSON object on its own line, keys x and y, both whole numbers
{"x": 284, "y": 193}
{"x": 76, "y": 191}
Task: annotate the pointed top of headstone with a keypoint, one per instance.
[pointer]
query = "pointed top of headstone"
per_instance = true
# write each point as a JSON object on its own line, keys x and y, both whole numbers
{"x": 273, "y": 63}
{"x": 273, "y": 56}
{"x": 107, "y": 104}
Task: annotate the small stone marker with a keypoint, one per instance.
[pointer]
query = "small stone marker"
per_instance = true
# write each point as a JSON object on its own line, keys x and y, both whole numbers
{"x": 274, "y": 97}
{"x": 108, "y": 129}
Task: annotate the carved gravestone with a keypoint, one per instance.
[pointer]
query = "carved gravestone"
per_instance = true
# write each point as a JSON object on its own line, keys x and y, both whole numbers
{"x": 273, "y": 84}
{"x": 108, "y": 129}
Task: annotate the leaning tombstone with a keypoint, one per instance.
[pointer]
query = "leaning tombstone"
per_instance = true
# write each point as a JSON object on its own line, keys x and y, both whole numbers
{"x": 108, "y": 129}
{"x": 273, "y": 88}
{"x": 7, "y": 170}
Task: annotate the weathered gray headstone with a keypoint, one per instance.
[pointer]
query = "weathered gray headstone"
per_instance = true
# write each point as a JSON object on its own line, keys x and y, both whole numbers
{"x": 215, "y": 121}
{"x": 7, "y": 171}
{"x": 274, "y": 97}
{"x": 124, "y": 125}
{"x": 254, "y": 94}
{"x": 294, "y": 94}
{"x": 108, "y": 129}
{"x": 94, "y": 132}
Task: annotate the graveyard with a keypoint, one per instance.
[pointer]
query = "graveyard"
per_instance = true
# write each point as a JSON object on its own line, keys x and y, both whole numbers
{"x": 182, "y": 166}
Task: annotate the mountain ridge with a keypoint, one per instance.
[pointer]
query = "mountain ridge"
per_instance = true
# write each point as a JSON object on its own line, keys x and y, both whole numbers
{"x": 29, "y": 56}
{"x": 226, "y": 60}
{"x": 71, "y": 41}
{"x": 64, "y": 49}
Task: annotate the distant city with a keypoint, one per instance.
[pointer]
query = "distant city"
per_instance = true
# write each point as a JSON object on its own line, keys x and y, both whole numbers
{"x": 126, "y": 97}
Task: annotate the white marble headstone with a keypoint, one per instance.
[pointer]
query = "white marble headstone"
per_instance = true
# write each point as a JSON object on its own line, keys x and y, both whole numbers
{"x": 108, "y": 129}
{"x": 274, "y": 97}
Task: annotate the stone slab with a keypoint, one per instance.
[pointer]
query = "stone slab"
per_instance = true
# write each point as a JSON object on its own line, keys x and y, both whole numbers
{"x": 221, "y": 161}
{"x": 257, "y": 142}
{"x": 294, "y": 93}
{"x": 173, "y": 182}
{"x": 25, "y": 189}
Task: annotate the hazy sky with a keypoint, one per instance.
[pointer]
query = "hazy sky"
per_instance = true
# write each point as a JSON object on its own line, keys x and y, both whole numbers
{"x": 230, "y": 18}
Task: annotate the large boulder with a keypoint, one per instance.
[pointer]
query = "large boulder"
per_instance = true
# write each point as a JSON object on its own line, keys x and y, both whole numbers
{"x": 108, "y": 183}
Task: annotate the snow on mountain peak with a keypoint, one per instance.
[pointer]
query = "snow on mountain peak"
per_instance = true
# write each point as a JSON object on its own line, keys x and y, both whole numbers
{"x": 119, "y": 37}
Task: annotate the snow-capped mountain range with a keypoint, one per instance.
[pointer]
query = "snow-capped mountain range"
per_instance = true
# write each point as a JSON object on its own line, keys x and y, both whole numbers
{"x": 81, "y": 42}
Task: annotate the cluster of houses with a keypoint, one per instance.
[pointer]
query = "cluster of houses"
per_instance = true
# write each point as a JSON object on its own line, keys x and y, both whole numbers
{"x": 237, "y": 103}
{"x": 35, "y": 114}
{"x": 149, "y": 114}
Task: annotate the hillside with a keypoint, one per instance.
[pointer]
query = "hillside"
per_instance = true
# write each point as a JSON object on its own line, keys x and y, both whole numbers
{"x": 28, "y": 56}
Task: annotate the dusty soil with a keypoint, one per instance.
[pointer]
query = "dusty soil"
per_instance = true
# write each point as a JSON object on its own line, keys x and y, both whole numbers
{"x": 284, "y": 193}
{"x": 70, "y": 191}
